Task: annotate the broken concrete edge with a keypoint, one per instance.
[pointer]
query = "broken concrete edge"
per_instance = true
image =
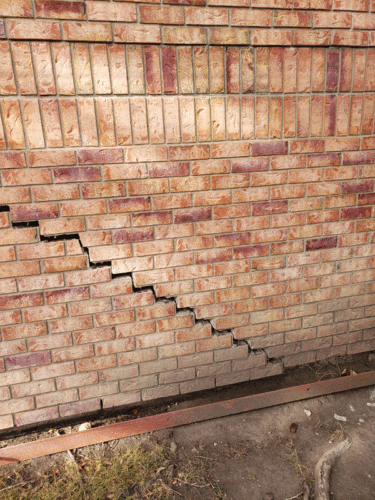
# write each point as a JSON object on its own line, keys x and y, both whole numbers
{"x": 45, "y": 447}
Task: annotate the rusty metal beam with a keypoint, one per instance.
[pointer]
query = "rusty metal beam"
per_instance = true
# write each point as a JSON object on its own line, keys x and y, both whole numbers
{"x": 128, "y": 428}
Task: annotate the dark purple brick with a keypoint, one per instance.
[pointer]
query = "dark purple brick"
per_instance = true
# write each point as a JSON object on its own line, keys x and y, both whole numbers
{"x": 76, "y": 174}
{"x": 98, "y": 156}
{"x": 25, "y": 300}
{"x": 27, "y": 360}
{"x": 358, "y": 157}
{"x": 333, "y": 59}
{"x": 330, "y": 115}
{"x": 358, "y": 186}
{"x": 232, "y": 239}
{"x": 251, "y": 251}
{"x": 192, "y": 215}
{"x": 133, "y": 235}
{"x": 321, "y": 243}
{"x": 366, "y": 199}
{"x": 356, "y": 213}
{"x": 129, "y": 204}
{"x": 168, "y": 56}
{"x": 169, "y": 170}
{"x": 270, "y": 207}
{"x": 34, "y": 212}
{"x": 269, "y": 148}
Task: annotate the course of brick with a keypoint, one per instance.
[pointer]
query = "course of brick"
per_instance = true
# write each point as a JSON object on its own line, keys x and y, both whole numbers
{"x": 186, "y": 198}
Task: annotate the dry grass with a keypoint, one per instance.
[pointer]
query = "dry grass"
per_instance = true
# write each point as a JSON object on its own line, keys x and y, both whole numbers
{"x": 339, "y": 434}
{"x": 138, "y": 472}
{"x": 142, "y": 470}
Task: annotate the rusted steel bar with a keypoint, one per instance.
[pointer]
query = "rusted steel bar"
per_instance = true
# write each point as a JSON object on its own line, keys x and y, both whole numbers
{"x": 97, "y": 435}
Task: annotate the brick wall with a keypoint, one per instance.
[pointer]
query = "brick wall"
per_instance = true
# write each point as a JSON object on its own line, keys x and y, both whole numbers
{"x": 186, "y": 196}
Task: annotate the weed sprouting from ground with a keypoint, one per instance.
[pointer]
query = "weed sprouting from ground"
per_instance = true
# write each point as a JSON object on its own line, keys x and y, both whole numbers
{"x": 339, "y": 434}
{"x": 293, "y": 458}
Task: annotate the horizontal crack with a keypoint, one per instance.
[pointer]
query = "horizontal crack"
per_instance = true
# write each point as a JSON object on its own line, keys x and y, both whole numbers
{"x": 25, "y": 224}
{"x": 61, "y": 237}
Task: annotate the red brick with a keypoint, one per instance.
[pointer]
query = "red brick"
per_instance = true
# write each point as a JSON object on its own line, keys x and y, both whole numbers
{"x": 307, "y": 146}
{"x": 59, "y": 10}
{"x": 17, "y": 301}
{"x": 102, "y": 11}
{"x": 293, "y": 19}
{"x": 99, "y": 156}
{"x": 229, "y": 3}
{"x": 247, "y": 17}
{"x": 356, "y": 213}
{"x": 323, "y": 160}
{"x": 68, "y": 225}
{"x": 9, "y": 318}
{"x": 269, "y": 148}
{"x": 358, "y": 186}
{"x": 307, "y": 37}
{"x": 271, "y": 37}
{"x": 87, "y": 207}
{"x": 353, "y": 38}
{"x": 13, "y": 126}
{"x": 321, "y": 243}
{"x": 275, "y": 4}
{"x": 152, "y": 69}
{"x": 127, "y": 33}
{"x": 70, "y": 409}
{"x": 34, "y": 30}
{"x": 161, "y": 14}
{"x": 16, "y": 8}
{"x": 185, "y": 35}
{"x": 88, "y": 32}
{"x": 229, "y": 36}
{"x": 28, "y": 360}
{"x": 132, "y": 235}
{"x": 34, "y": 212}
{"x": 7, "y": 82}
{"x": 98, "y": 334}
{"x": 313, "y": 4}
{"x": 108, "y": 221}
{"x": 51, "y": 158}
{"x": 19, "y": 269}
{"x": 360, "y": 5}
{"x": 272, "y": 207}
{"x": 64, "y": 264}
{"x": 7, "y": 254}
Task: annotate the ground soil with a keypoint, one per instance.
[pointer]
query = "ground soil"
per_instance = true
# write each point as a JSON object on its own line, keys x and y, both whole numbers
{"x": 255, "y": 453}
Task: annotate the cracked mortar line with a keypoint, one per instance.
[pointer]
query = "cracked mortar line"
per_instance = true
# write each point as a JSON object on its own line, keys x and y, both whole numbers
{"x": 204, "y": 321}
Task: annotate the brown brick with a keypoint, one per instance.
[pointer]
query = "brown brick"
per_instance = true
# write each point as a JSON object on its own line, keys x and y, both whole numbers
{"x": 34, "y": 30}
{"x": 102, "y": 11}
{"x": 88, "y": 32}
{"x": 127, "y": 33}
{"x": 184, "y": 35}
